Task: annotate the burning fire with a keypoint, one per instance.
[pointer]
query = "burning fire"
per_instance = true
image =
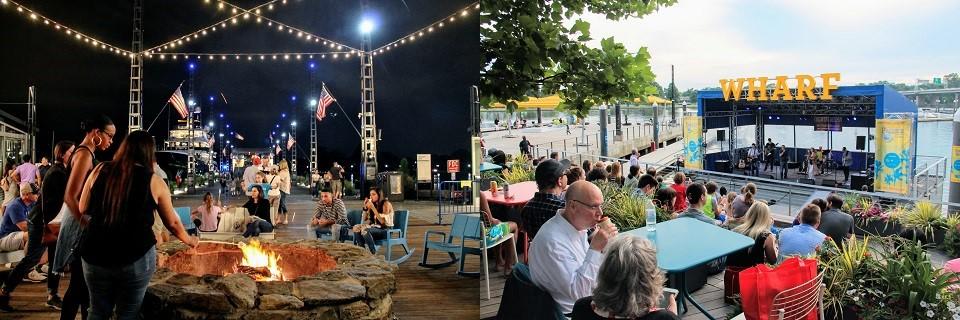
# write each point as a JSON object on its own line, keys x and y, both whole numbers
{"x": 260, "y": 263}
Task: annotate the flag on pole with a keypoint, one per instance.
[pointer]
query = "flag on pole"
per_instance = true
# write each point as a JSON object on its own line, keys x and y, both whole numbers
{"x": 325, "y": 100}
{"x": 178, "y": 103}
{"x": 224, "y": 98}
{"x": 290, "y": 142}
{"x": 238, "y": 136}
{"x": 210, "y": 142}
{"x": 278, "y": 150}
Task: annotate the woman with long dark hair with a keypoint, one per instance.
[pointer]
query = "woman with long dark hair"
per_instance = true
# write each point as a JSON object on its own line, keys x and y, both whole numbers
{"x": 98, "y": 136}
{"x": 11, "y": 189}
{"x": 377, "y": 218}
{"x": 117, "y": 204}
{"x": 259, "y": 209}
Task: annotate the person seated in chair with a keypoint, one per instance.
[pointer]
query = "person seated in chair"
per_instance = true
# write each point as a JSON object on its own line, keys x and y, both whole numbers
{"x": 377, "y": 218}
{"x": 259, "y": 208}
{"x": 629, "y": 285}
{"x": 804, "y": 239}
{"x": 206, "y": 216}
{"x": 330, "y": 217}
{"x": 502, "y": 252}
{"x": 13, "y": 229}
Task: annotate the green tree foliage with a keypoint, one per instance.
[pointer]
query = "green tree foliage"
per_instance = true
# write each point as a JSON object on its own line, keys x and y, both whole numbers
{"x": 529, "y": 46}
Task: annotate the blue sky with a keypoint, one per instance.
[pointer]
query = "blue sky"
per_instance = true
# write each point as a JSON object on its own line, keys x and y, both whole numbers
{"x": 864, "y": 40}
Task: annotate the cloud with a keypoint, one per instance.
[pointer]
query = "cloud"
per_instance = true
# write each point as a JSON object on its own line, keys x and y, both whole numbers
{"x": 865, "y": 41}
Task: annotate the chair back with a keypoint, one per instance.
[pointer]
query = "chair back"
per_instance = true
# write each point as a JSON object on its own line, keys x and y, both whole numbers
{"x": 797, "y": 302}
{"x": 522, "y": 299}
{"x": 184, "y": 214}
{"x": 354, "y": 217}
{"x": 400, "y": 218}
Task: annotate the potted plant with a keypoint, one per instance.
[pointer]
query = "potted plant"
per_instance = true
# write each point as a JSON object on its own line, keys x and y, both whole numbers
{"x": 876, "y": 221}
{"x": 842, "y": 271}
{"x": 911, "y": 287}
{"x": 951, "y": 240}
{"x": 517, "y": 173}
{"x": 927, "y": 218}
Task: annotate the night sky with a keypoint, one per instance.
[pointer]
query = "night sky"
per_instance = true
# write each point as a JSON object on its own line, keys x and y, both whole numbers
{"x": 422, "y": 88}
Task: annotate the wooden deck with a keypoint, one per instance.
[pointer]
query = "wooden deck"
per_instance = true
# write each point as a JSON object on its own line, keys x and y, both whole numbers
{"x": 710, "y": 297}
{"x": 421, "y": 294}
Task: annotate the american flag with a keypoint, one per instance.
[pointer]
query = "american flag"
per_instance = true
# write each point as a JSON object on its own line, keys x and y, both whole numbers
{"x": 177, "y": 100}
{"x": 290, "y": 142}
{"x": 210, "y": 141}
{"x": 325, "y": 100}
{"x": 239, "y": 137}
{"x": 278, "y": 150}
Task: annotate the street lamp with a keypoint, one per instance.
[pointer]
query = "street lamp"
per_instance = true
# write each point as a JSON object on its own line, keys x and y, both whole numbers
{"x": 366, "y": 26}
{"x": 293, "y": 124}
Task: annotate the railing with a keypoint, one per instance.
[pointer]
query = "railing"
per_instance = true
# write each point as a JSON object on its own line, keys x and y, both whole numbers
{"x": 454, "y": 197}
{"x": 789, "y": 196}
{"x": 585, "y": 143}
{"x": 929, "y": 178}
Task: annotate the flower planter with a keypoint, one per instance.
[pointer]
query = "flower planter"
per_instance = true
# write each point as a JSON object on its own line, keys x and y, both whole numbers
{"x": 849, "y": 313}
{"x": 876, "y": 227}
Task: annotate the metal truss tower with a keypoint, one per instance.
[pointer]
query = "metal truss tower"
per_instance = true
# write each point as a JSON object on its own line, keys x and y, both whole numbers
{"x": 368, "y": 134}
{"x": 136, "y": 70}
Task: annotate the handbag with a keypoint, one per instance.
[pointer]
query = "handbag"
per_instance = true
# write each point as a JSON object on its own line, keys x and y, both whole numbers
{"x": 274, "y": 192}
{"x": 760, "y": 284}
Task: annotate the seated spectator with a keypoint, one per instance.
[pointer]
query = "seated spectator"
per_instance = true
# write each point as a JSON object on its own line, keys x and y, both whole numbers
{"x": 820, "y": 203}
{"x": 712, "y": 208}
{"x": 13, "y": 228}
{"x": 597, "y": 174}
{"x": 260, "y": 179}
{"x": 259, "y": 209}
{"x": 665, "y": 199}
{"x": 629, "y": 285}
{"x": 697, "y": 196}
{"x": 726, "y": 203}
{"x": 633, "y": 179}
{"x": 679, "y": 185}
{"x": 551, "y": 180}
{"x": 562, "y": 261}
{"x": 647, "y": 185}
{"x": 652, "y": 171}
{"x": 587, "y": 165}
{"x": 330, "y": 216}
{"x": 616, "y": 173}
{"x": 834, "y": 223}
{"x": 207, "y": 216}
{"x": 742, "y": 203}
{"x": 377, "y": 218}
{"x": 804, "y": 239}
{"x": 504, "y": 251}
{"x": 575, "y": 174}
{"x": 756, "y": 225}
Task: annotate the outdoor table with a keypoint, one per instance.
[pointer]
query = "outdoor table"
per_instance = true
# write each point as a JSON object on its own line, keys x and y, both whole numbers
{"x": 508, "y": 209}
{"x": 685, "y": 243}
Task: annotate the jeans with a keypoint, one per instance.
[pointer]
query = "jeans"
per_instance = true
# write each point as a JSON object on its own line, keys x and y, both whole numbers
{"x": 256, "y": 227}
{"x": 783, "y": 169}
{"x": 846, "y": 173}
{"x": 370, "y": 238}
{"x": 120, "y": 287}
{"x": 34, "y": 252}
{"x": 344, "y": 231}
{"x": 283, "y": 203}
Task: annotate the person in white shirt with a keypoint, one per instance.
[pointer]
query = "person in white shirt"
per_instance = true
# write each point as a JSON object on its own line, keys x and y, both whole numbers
{"x": 250, "y": 173}
{"x": 635, "y": 158}
{"x": 562, "y": 262}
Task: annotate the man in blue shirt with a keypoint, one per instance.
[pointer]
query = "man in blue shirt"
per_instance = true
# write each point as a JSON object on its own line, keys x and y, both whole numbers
{"x": 804, "y": 239}
{"x": 13, "y": 229}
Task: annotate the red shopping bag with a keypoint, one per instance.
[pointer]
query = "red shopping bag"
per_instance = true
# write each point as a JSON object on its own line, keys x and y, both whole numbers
{"x": 760, "y": 284}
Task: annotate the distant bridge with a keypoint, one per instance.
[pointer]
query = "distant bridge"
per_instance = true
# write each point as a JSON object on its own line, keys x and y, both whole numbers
{"x": 940, "y": 105}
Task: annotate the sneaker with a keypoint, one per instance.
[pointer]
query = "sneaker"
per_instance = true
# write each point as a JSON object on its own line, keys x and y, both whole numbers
{"x": 55, "y": 303}
{"x": 43, "y": 269}
{"x": 34, "y": 277}
{"x": 5, "y": 304}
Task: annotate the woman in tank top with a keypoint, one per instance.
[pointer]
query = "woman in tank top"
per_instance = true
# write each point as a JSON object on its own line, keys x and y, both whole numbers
{"x": 117, "y": 203}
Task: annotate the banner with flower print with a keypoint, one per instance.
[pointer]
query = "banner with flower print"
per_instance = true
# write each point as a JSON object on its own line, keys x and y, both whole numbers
{"x": 692, "y": 140}
{"x": 893, "y": 159}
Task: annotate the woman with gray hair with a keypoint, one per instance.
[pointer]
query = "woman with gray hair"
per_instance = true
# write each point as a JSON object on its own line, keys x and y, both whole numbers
{"x": 629, "y": 285}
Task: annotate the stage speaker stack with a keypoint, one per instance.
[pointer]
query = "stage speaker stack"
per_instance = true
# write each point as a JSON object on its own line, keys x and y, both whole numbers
{"x": 857, "y": 181}
{"x": 861, "y": 142}
{"x": 721, "y": 135}
{"x": 722, "y": 166}
{"x": 829, "y": 183}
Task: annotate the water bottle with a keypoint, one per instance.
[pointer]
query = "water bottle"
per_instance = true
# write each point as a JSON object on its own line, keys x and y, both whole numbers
{"x": 651, "y": 219}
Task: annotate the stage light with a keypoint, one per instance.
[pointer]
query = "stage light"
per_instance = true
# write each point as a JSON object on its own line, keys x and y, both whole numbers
{"x": 278, "y": 126}
{"x": 366, "y": 26}
{"x": 192, "y": 66}
{"x": 854, "y": 118}
{"x": 293, "y": 124}
{"x": 211, "y": 98}
{"x": 778, "y": 117}
{"x": 769, "y": 118}
{"x": 313, "y": 102}
{"x": 221, "y": 115}
{"x": 221, "y": 135}
{"x": 192, "y": 103}
{"x": 211, "y": 123}
{"x": 228, "y": 126}
{"x": 294, "y": 98}
{"x": 283, "y": 134}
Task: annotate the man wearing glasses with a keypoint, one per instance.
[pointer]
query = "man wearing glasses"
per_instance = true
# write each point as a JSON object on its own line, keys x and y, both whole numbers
{"x": 562, "y": 261}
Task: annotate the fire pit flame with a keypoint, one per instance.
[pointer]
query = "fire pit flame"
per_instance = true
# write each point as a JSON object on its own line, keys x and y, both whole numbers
{"x": 261, "y": 264}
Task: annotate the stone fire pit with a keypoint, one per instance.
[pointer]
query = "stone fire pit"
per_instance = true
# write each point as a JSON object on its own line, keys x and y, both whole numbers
{"x": 321, "y": 280}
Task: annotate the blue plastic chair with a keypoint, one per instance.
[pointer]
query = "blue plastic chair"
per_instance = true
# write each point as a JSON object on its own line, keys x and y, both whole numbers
{"x": 396, "y": 236}
{"x": 184, "y": 214}
{"x": 465, "y": 227}
{"x": 354, "y": 217}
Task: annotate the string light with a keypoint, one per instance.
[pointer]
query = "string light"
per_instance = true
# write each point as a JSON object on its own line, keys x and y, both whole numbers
{"x": 429, "y": 28}
{"x": 36, "y": 16}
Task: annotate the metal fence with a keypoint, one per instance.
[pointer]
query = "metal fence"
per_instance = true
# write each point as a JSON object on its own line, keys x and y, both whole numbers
{"x": 585, "y": 143}
{"x": 456, "y": 197}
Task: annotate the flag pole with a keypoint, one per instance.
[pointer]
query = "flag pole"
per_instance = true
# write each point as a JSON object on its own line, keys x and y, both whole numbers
{"x": 344, "y": 112}
{"x": 158, "y": 116}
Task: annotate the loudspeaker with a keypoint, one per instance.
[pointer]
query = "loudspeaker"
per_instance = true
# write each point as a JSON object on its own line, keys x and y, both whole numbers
{"x": 828, "y": 183}
{"x": 861, "y": 142}
{"x": 857, "y": 181}
{"x": 722, "y": 166}
{"x": 721, "y": 135}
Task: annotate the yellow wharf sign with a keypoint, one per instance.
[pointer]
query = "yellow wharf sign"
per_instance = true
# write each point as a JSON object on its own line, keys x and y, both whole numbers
{"x": 757, "y": 87}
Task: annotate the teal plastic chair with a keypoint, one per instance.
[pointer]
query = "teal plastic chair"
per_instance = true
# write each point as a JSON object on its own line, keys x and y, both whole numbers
{"x": 396, "y": 236}
{"x": 184, "y": 214}
{"x": 354, "y": 217}
{"x": 465, "y": 227}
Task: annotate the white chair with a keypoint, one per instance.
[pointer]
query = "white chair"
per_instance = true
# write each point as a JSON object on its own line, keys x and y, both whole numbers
{"x": 795, "y": 303}
{"x": 487, "y": 246}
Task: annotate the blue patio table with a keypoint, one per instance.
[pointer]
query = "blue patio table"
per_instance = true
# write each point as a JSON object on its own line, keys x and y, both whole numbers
{"x": 685, "y": 243}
